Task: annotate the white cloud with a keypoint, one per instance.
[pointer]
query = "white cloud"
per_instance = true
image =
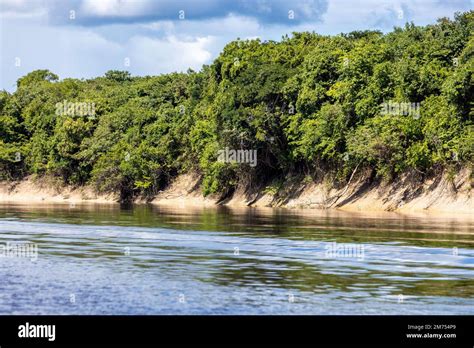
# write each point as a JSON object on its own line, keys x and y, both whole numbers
{"x": 83, "y": 53}
{"x": 22, "y": 9}
{"x": 229, "y": 27}
{"x": 114, "y": 8}
{"x": 163, "y": 46}
{"x": 150, "y": 56}
{"x": 347, "y": 15}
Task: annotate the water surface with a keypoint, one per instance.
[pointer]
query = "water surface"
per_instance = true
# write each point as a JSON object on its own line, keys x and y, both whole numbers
{"x": 101, "y": 259}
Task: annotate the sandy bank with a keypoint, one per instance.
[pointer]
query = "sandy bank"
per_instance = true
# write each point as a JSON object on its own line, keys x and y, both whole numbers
{"x": 437, "y": 195}
{"x": 47, "y": 190}
{"x": 450, "y": 196}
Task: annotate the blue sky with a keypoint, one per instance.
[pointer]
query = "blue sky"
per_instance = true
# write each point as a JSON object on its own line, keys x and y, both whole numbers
{"x": 85, "y": 38}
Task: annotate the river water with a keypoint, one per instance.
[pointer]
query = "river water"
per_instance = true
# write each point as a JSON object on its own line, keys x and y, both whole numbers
{"x": 107, "y": 259}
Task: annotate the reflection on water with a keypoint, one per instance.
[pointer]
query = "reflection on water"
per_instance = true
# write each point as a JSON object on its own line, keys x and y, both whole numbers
{"x": 100, "y": 259}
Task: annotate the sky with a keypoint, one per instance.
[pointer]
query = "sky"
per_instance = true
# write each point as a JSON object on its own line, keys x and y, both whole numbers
{"x": 86, "y": 38}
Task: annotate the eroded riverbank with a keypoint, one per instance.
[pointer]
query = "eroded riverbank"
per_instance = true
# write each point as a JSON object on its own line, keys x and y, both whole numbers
{"x": 446, "y": 194}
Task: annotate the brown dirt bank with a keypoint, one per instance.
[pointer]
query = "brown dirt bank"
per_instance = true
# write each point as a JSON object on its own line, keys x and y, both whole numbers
{"x": 445, "y": 194}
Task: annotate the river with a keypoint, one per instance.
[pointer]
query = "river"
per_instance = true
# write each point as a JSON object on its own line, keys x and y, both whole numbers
{"x": 110, "y": 259}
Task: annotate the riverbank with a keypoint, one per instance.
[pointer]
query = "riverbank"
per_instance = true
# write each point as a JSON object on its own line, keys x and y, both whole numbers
{"x": 443, "y": 194}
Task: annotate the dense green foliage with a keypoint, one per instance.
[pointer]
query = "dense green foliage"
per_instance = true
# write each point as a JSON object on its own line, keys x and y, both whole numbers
{"x": 308, "y": 102}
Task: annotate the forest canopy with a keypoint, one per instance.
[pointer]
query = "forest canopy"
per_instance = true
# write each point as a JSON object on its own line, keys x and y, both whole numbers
{"x": 394, "y": 103}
